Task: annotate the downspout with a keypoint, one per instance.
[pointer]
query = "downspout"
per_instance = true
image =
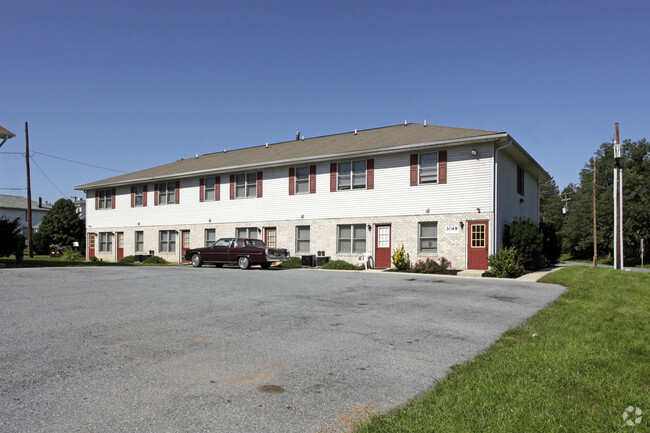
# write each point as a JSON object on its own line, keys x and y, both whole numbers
{"x": 495, "y": 202}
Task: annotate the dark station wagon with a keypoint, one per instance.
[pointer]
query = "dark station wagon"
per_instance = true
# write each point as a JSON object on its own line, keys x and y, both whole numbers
{"x": 244, "y": 252}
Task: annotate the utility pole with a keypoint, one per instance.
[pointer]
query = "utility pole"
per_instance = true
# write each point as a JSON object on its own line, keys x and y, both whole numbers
{"x": 618, "y": 203}
{"x": 566, "y": 204}
{"x": 593, "y": 161}
{"x": 30, "y": 246}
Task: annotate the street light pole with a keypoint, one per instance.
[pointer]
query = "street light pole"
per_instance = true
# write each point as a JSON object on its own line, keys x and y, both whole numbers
{"x": 618, "y": 203}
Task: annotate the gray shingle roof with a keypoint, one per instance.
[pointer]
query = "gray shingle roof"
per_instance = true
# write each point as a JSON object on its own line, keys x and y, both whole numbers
{"x": 18, "y": 202}
{"x": 5, "y": 133}
{"x": 378, "y": 140}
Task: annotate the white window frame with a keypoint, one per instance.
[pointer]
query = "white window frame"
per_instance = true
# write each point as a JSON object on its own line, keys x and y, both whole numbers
{"x": 167, "y": 241}
{"x": 246, "y": 185}
{"x": 139, "y": 243}
{"x": 428, "y": 173}
{"x": 167, "y": 193}
{"x": 105, "y": 199}
{"x": 421, "y": 239}
{"x": 206, "y": 235}
{"x": 209, "y": 187}
{"x": 303, "y": 243}
{"x": 105, "y": 242}
{"x": 138, "y": 196}
{"x": 354, "y": 241}
{"x": 249, "y": 232}
{"x": 350, "y": 175}
{"x": 301, "y": 180}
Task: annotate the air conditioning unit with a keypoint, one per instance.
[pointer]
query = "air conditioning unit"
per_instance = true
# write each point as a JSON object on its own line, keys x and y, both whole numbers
{"x": 309, "y": 260}
{"x": 321, "y": 260}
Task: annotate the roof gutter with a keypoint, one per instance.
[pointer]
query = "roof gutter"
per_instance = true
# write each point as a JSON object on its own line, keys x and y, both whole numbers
{"x": 284, "y": 162}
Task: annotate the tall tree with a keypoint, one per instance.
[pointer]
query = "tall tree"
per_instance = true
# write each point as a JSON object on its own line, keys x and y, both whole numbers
{"x": 577, "y": 233}
{"x": 62, "y": 225}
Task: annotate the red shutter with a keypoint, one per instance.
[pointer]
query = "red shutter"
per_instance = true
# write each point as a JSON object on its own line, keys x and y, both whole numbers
{"x": 178, "y": 191}
{"x": 292, "y": 180}
{"x": 442, "y": 166}
{"x": 312, "y": 179}
{"x": 333, "y": 177}
{"x": 414, "y": 169}
{"x": 113, "y": 198}
{"x": 201, "y": 189}
{"x": 155, "y": 194}
{"x": 370, "y": 174}
{"x": 259, "y": 183}
{"x": 96, "y": 200}
{"x": 144, "y": 195}
{"x": 217, "y": 188}
{"x": 232, "y": 187}
{"x": 132, "y": 196}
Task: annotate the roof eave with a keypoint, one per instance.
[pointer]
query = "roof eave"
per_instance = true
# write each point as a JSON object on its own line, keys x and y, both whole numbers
{"x": 292, "y": 161}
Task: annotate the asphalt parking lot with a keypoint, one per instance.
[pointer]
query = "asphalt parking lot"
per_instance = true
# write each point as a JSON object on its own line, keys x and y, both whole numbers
{"x": 177, "y": 349}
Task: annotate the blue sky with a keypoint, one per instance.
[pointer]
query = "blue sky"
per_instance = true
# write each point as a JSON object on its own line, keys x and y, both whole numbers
{"x": 133, "y": 84}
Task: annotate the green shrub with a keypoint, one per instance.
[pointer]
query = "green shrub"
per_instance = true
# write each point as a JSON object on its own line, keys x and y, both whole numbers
{"x": 20, "y": 248}
{"x": 505, "y": 264}
{"x": 343, "y": 265}
{"x": 293, "y": 262}
{"x": 154, "y": 260}
{"x": 72, "y": 255}
{"x": 94, "y": 259}
{"x": 401, "y": 259}
{"x": 128, "y": 260}
{"x": 527, "y": 238}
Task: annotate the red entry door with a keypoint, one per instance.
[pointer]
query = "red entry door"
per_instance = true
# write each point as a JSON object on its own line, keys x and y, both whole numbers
{"x": 382, "y": 246}
{"x": 91, "y": 245}
{"x": 185, "y": 240}
{"x": 120, "y": 246}
{"x": 477, "y": 245}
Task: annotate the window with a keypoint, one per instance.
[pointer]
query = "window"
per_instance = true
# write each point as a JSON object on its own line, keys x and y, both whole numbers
{"x": 210, "y": 237}
{"x": 167, "y": 242}
{"x": 429, "y": 167}
{"x": 246, "y": 232}
{"x": 302, "y": 239}
{"x": 246, "y": 185}
{"x": 270, "y": 235}
{"x": 428, "y": 237}
{"x": 167, "y": 193}
{"x": 351, "y": 238}
{"x": 302, "y": 180}
{"x": 105, "y": 199}
{"x": 520, "y": 180}
{"x": 137, "y": 195}
{"x": 351, "y": 175}
{"x": 478, "y": 236}
{"x": 139, "y": 242}
{"x": 209, "y": 188}
{"x": 106, "y": 242}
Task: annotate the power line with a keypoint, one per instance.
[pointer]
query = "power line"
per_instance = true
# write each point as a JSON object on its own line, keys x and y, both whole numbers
{"x": 78, "y": 162}
{"x": 50, "y": 180}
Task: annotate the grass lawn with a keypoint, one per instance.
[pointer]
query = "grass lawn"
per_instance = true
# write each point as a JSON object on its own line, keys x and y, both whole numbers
{"x": 589, "y": 362}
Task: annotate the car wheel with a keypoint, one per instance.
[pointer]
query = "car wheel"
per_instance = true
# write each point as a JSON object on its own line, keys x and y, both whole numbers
{"x": 265, "y": 265}
{"x": 244, "y": 263}
{"x": 196, "y": 261}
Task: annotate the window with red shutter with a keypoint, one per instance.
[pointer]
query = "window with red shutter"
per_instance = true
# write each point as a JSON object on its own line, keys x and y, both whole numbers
{"x": 312, "y": 179}
{"x": 442, "y": 166}
{"x": 333, "y": 177}
{"x": 201, "y": 189}
{"x": 259, "y": 183}
{"x": 414, "y": 169}
{"x": 370, "y": 174}
{"x": 292, "y": 179}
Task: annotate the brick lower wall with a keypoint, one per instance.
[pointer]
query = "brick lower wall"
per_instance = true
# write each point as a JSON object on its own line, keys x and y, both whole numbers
{"x": 323, "y": 236}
